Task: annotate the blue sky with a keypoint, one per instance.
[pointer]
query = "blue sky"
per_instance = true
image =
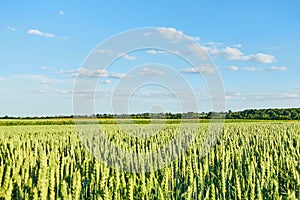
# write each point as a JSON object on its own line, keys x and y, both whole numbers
{"x": 254, "y": 44}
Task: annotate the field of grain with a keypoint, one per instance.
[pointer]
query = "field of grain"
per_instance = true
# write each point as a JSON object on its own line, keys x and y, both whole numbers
{"x": 258, "y": 160}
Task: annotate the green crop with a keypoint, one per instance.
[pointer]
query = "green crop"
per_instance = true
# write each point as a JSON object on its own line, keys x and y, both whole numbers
{"x": 249, "y": 161}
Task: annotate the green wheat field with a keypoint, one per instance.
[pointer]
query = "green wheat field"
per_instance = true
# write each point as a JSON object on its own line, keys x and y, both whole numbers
{"x": 251, "y": 160}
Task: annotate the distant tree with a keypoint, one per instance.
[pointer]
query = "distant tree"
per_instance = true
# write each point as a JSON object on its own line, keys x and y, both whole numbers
{"x": 294, "y": 114}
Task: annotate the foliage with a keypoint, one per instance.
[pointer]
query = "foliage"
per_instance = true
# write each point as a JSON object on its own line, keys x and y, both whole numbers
{"x": 259, "y": 114}
{"x": 266, "y": 114}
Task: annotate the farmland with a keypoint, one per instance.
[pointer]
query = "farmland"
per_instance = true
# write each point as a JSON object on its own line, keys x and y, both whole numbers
{"x": 251, "y": 160}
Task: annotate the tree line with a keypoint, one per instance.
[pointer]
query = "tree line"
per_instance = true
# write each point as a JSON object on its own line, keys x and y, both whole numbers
{"x": 265, "y": 114}
{"x": 260, "y": 114}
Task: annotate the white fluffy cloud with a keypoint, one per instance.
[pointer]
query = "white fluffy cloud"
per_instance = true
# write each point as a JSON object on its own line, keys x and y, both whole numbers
{"x": 293, "y": 95}
{"x": 213, "y": 48}
{"x": 146, "y": 71}
{"x": 170, "y": 33}
{"x": 252, "y": 69}
{"x": 89, "y": 73}
{"x": 11, "y": 28}
{"x": 232, "y": 68}
{"x": 235, "y": 54}
{"x": 200, "y": 51}
{"x": 205, "y": 69}
{"x": 127, "y": 57}
{"x": 105, "y": 51}
{"x": 151, "y": 52}
{"x": 231, "y": 54}
{"x": 40, "y": 33}
{"x": 45, "y": 68}
{"x": 174, "y": 35}
{"x": 262, "y": 58}
{"x": 272, "y": 68}
{"x": 233, "y": 95}
{"x": 276, "y": 68}
{"x": 106, "y": 81}
{"x": 61, "y": 12}
{"x": 146, "y": 34}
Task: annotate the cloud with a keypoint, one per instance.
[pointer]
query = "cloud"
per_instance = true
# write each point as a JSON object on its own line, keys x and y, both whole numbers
{"x": 150, "y": 72}
{"x": 170, "y": 33}
{"x": 205, "y": 69}
{"x": 36, "y": 78}
{"x": 105, "y": 51}
{"x": 2, "y": 78}
{"x": 229, "y": 94}
{"x": 237, "y": 45}
{"x": 235, "y": 54}
{"x": 43, "y": 92}
{"x": 167, "y": 52}
{"x": 11, "y": 28}
{"x": 44, "y": 82}
{"x": 298, "y": 57}
{"x": 146, "y": 34}
{"x": 232, "y": 68}
{"x": 265, "y": 97}
{"x": 232, "y": 54}
{"x": 65, "y": 91}
{"x": 61, "y": 12}
{"x": 38, "y": 32}
{"x": 106, "y": 81}
{"x": 194, "y": 38}
{"x": 234, "y": 95}
{"x": 127, "y": 57}
{"x": 152, "y": 52}
{"x": 174, "y": 35}
{"x": 145, "y": 93}
{"x": 153, "y": 93}
{"x": 276, "y": 68}
{"x": 262, "y": 58}
{"x": 67, "y": 71}
{"x": 213, "y": 44}
{"x": 272, "y": 68}
{"x": 89, "y": 73}
{"x": 293, "y": 95}
{"x": 200, "y": 51}
{"x": 251, "y": 69}
{"x": 45, "y": 68}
